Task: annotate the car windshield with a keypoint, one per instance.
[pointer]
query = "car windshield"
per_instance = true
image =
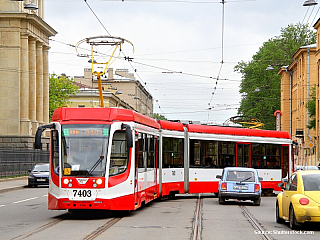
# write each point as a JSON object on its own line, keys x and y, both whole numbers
{"x": 84, "y": 149}
{"x": 311, "y": 182}
{"x": 41, "y": 168}
{"x": 242, "y": 176}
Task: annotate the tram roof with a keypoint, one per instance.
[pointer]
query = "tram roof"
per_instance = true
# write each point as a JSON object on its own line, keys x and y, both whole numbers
{"x": 237, "y": 131}
{"x": 167, "y": 125}
{"x": 102, "y": 114}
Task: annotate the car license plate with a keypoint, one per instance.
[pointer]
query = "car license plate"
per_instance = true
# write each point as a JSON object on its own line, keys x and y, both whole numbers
{"x": 240, "y": 187}
{"x": 41, "y": 180}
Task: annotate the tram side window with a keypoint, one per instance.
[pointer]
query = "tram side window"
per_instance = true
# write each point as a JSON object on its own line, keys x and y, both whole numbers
{"x": 151, "y": 141}
{"x": 258, "y": 153}
{"x": 227, "y": 156}
{"x": 285, "y": 164}
{"x": 55, "y": 151}
{"x": 210, "y": 154}
{"x": 119, "y": 154}
{"x": 195, "y": 147}
{"x": 172, "y": 153}
{"x": 142, "y": 150}
{"x": 273, "y": 156}
{"x": 265, "y": 155}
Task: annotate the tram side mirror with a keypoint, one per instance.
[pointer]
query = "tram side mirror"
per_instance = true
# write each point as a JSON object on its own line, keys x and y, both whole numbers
{"x": 218, "y": 176}
{"x": 128, "y": 135}
{"x": 37, "y": 142}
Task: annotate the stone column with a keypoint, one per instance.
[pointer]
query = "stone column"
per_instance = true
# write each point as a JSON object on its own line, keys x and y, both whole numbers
{"x": 25, "y": 124}
{"x": 39, "y": 86}
{"x": 32, "y": 85}
{"x": 45, "y": 85}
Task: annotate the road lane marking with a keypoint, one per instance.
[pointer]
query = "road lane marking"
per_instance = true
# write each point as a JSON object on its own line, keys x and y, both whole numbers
{"x": 25, "y": 200}
{"x": 2, "y": 205}
{"x": 45, "y": 195}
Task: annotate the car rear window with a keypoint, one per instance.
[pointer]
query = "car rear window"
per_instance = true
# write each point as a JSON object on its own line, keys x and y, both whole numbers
{"x": 243, "y": 176}
{"x": 311, "y": 182}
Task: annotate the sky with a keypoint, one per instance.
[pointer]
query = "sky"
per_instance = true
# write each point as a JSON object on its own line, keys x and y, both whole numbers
{"x": 185, "y": 50}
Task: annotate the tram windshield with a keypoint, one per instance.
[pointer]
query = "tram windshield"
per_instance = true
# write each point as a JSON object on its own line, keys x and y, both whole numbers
{"x": 84, "y": 149}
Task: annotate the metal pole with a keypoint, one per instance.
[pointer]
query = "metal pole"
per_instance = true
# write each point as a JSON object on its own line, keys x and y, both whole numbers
{"x": 100, "y": 91}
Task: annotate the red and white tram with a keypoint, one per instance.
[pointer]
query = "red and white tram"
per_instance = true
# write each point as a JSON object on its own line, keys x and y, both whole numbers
{"x": 118, "y": 159}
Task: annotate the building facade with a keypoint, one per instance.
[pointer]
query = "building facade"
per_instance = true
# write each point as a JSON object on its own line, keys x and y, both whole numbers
{"x": 297, "y": 81}
{"x": 123, "y": 85}
{"x": 317, "y": 62}
{"x": 89, "y": 97}
{"x": 24, "y": 76}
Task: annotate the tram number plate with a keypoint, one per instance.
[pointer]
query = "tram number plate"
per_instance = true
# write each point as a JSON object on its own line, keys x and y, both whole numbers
{"x": 82, "y": 193}
{"x": 240, "y": 187}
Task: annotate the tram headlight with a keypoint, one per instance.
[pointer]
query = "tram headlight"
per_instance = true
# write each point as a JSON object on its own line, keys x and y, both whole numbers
{"x": 99, "y": 181}
{"x": 65, "y": 181}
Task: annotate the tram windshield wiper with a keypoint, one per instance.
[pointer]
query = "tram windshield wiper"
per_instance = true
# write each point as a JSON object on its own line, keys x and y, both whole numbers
{"x": 95, "y": 165}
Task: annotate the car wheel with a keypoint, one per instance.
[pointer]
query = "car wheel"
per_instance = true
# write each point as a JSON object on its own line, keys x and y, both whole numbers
{"x": 222, "y": 200}
{"x": 257, "y": 201}
{"x": 278, "y": 219}
{"x": 292, "y": 219}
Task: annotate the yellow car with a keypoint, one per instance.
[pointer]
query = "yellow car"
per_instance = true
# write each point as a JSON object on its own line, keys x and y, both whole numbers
{"x": 299, "y": 202}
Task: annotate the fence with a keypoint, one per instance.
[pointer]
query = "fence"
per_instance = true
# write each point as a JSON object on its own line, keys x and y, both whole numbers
{"x": 17, "y": 162}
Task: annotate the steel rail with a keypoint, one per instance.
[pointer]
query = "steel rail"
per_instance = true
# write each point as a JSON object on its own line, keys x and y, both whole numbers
{"x": 255, "y": 223}
{"x": 101, "y": 229}
{"x": 197, "y": 220}
{"x": 40, "y": 229}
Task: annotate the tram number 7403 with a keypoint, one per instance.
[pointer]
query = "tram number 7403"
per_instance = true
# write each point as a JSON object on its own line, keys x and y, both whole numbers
{"x": 81, "y": 193}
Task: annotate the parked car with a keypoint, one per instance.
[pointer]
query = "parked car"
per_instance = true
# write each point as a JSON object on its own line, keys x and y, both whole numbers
{"x": 239, "y": 183}
{"x": 39, "y": 175}
{"x": 300, "y": 200}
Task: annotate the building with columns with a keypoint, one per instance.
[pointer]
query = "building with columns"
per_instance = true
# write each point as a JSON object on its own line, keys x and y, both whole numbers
{"x": 24, "y": 76}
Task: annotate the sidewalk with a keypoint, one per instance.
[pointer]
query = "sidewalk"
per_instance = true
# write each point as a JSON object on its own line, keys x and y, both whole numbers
{"x": 10, "y": 184}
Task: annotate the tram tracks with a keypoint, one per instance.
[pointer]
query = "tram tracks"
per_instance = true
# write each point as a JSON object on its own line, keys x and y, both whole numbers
{"x": 102, "y": 229}
{"x": 256, "y": 225}
{"x": 40, "y": 229}
{"x": 197, "y": 223}
{"x": 47, "y": 226}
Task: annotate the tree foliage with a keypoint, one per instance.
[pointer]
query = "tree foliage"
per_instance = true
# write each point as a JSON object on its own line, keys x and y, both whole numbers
{"x": 60, "y": 87}
{"x": 159, "y": 116}
{"x": 311, "y": 105}
{"x": 260, "y": 88}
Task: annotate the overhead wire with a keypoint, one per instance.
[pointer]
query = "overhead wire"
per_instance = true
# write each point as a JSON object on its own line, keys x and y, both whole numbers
{"x": 120, "y": 50}
{"x": 222, "y": 48}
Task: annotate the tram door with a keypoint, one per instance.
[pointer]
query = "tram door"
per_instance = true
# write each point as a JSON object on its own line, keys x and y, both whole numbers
{"x": 243, "y": 155}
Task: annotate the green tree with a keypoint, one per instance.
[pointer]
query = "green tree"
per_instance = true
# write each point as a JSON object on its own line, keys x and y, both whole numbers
{"x": 60, "y": 87}
{"x": 311, "y": 105}
{"x": 260, "y": 88}
{"x": 159, "y": 116}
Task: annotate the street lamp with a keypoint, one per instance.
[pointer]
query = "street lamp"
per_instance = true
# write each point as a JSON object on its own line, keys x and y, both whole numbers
{"x": 31, "y": 6}
{"x": 310, "y": 3}
{"x": 269, "y": 68}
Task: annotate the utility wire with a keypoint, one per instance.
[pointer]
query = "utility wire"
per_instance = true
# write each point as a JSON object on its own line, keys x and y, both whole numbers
{"x": 222, "y": 48}
{"x": 97, "y": 17}
{"x": 120, "y": 49}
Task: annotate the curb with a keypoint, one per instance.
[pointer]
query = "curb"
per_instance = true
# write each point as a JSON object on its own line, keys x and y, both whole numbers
{"x": 9, "y": 189}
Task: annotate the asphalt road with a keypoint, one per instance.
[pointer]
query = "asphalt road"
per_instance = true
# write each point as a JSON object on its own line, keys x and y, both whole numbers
{"x": 24, "y": 215}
